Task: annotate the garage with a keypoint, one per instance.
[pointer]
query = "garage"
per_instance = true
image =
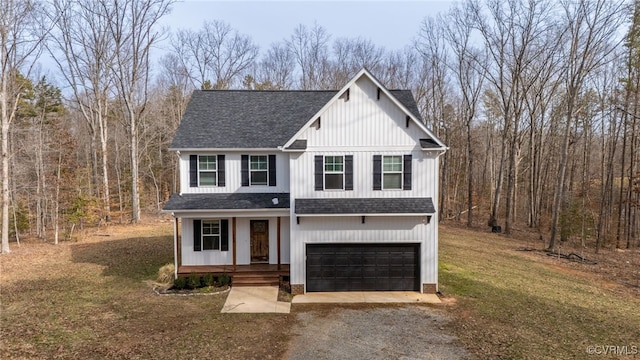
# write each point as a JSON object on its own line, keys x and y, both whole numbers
{"x": 363, "y": 267}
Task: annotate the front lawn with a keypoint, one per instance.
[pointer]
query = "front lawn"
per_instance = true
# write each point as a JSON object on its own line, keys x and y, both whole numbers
{"x": 93, "y": 300}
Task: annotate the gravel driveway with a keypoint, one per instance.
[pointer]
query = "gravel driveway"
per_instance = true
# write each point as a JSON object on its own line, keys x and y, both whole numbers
{"x": 380, "y": 332}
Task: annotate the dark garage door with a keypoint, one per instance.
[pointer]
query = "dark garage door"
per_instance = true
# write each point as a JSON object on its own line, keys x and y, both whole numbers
{"x": 363, "y": 267}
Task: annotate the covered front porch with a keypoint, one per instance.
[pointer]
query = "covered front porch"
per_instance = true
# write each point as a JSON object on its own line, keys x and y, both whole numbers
{"x": 242, "y": 275}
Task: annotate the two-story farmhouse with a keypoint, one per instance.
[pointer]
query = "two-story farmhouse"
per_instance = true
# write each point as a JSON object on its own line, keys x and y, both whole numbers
{"x": 334, "y": 188}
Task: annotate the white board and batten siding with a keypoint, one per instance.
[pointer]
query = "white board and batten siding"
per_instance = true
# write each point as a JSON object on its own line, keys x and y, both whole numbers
{"x": 350, "y": 229}
{"x": 363, "y": 127}
{"x": 233, "y": 174}
{"x": 243, "y": 243}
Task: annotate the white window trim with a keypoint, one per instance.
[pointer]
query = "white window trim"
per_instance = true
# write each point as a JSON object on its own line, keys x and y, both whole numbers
{"x": 218, "y": 235}
{"x": 401, "y": 172}
{"x": 324, "y": 173}
{"x": 251, "y": 171}
{"x": 215, "y": 172}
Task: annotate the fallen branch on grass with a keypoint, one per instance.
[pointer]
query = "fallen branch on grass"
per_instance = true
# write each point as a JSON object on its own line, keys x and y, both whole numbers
{"x": 571, "y": 257}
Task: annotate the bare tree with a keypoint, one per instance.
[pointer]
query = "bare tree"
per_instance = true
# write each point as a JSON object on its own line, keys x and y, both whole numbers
{"x": 469, "y": 78}
{"x": 310, "y": 49}
{"x": 85, "y": 53}
{"x": 433, "y": 95}
{"x": 352, "y": 54}
{"x": 277, "y": 68}
{"x": 591, "y": 28}
{"x": 22, "y": 32}
{"x": 511, "y": 33}
{"x": 132, "y": 25}
{"x": 216, "y": 56}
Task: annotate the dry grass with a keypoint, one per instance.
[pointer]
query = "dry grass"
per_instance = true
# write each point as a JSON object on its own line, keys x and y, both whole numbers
{"x": 92, "y": 300}
{"x": 166, "y": 274}
{"x": 512, "y": 304}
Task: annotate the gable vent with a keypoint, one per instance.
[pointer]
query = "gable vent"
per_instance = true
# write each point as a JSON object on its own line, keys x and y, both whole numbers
{"x": 379, "y": 91}
{"x": 408, "y": 119}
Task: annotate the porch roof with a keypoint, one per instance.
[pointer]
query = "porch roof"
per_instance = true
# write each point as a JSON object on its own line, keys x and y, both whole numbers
{"x": 365, "y": 206}
{"x": 233, "y": 201}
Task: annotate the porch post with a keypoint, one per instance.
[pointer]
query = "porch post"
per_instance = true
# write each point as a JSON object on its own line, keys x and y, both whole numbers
{"x": 176, "y": 252}
{"x": 278, "y": 239}
{"x": 233, "y": 241}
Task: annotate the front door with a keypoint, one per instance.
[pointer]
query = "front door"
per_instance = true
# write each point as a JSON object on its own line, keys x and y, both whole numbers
{"x": 259, "y": 241}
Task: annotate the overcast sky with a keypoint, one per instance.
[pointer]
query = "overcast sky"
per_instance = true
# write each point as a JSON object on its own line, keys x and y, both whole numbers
{"x": 392, "y": 24}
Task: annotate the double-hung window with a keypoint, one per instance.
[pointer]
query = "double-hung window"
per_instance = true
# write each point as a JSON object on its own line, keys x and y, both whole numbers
{"x": 334, "y": 172}
{"x": 207, "y": 170}
{"x": 258, "y": 168}
{"x": 210, "y": 234}
{"x": 392, "y": 172}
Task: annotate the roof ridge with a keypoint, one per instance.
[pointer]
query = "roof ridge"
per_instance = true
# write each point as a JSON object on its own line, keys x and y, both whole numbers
{"x": 267, "y": 90}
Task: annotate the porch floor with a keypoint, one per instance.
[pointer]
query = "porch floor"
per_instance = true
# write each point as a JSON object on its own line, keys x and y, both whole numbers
{"x": 273, "y": 269}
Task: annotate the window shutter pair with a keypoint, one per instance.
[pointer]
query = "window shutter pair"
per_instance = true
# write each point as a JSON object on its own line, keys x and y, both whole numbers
{"x": 377, "y": 172}
{"x": 193, "y": 171}
{"x": 224, "y": 235}
{"x": 319, "y": 172}
{"x": 244, "y": 170}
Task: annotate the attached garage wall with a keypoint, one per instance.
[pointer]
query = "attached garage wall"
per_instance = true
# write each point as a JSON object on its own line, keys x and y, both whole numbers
{"x": 351, "y": 230}
{"x": 363, "y": 267}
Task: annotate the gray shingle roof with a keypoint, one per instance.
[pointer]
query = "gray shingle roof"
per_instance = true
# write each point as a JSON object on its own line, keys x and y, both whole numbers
{"x": 429, "y": 144}
{"x": 237, "y": 119}
{"x": 233, "y": 201}
{"x": 364, "y": 206}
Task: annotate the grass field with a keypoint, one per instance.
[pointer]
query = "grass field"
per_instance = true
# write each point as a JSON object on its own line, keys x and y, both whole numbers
{"x": 513, "y": 304}
{"x": 93, "y": 299}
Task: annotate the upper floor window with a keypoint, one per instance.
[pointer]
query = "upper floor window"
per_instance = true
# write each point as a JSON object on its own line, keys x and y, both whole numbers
{"x": 334, "y": 172}
{"x": 392, "y": 172}
{"x": 258, "y": 168}
{"x": 206, "y": 170}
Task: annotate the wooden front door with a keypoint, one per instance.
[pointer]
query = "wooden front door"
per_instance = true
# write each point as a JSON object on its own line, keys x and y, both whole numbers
{"x": 259, "y": 241}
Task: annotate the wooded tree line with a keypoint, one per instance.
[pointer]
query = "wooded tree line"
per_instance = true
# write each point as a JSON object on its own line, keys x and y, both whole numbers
{"x": 537, "y": 100}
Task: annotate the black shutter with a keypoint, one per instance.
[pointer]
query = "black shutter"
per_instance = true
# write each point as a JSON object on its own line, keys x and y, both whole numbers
{"x": 272, "y": 170}
{"x": 224, "y": 235}
{"x": 406, "y": 173}
{"x": 221, "y": 175}
{"x": 193, "y": 170}
{"x": 348, "y": 172}
{"x": 319, "y": 163}
{"x": 244, "y": 169}
{"x": 197, "y": 236}
{"x": 377, "y": 172}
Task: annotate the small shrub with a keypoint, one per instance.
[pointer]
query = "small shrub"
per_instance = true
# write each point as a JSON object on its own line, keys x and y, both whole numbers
{"x": 193, "y": 281}
{"x": 166, "y": 274}
{"x": 224, "y": 280}
{"x": 179, "y": 283}
{"x": 208, "y": 280}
